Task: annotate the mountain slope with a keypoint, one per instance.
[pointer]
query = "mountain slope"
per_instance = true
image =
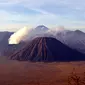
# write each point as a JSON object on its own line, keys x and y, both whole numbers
{"x": 74, "y": 39}
{"x": 47, "y": 49}
{"x": 5, "y": 48}
{"x": 4, "y": 36}
{"x": 11, "y": 48}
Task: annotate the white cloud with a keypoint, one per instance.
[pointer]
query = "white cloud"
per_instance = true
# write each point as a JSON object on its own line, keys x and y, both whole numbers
{"x": 38, "y": 3}
{"x": 46, "y": 17}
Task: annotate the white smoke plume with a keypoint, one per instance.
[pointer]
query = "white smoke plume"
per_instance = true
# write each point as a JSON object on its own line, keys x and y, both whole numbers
{"x": 19, "y": 35}
{"x": 30, "y": 33}
{"x": 56, "y": 30}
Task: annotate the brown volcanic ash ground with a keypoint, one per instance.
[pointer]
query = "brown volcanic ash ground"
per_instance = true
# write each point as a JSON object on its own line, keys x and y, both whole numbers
{"x": 27, "y": 73}
{"x": 47, "y": 49}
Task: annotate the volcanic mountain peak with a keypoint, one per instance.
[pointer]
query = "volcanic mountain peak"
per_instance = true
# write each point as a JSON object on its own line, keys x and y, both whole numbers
{"x": 79, "y": 32}
{"x": 41, "y": 27}
{"x": 47, "y": 49}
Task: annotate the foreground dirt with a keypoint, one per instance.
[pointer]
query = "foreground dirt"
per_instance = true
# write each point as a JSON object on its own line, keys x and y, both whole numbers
{"x": 27, "y": 73}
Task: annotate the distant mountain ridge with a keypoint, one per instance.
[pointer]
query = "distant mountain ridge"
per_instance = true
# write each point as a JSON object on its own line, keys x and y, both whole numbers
{"x": 4, "y": 36}
{"x": 73, "y": 39}
{"x": 5, "y": 48}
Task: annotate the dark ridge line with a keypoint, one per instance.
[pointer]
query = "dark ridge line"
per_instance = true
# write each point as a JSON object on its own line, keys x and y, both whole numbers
{"x": 36, "y": 44}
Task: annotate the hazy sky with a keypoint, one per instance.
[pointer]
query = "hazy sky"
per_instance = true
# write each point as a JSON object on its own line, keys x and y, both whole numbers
{"x": 15, "y": 14}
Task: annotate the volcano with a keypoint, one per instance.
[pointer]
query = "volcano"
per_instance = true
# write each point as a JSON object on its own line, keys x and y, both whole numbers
{"x": 47, "y": 49}
{"x": 41, "y": 28}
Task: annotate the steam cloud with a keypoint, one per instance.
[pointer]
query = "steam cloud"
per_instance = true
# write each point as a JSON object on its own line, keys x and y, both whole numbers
{"x": 30, "y": 33}
{"x": 19, "y": 35}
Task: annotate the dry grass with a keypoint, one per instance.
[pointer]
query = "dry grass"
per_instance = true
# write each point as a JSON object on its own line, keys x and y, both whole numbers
{"x": 74, "y": 79}
{"x": 27, "y": 73}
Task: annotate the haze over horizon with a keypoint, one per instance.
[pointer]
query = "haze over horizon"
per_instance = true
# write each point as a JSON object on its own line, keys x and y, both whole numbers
{"x": 15, "y": 14}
